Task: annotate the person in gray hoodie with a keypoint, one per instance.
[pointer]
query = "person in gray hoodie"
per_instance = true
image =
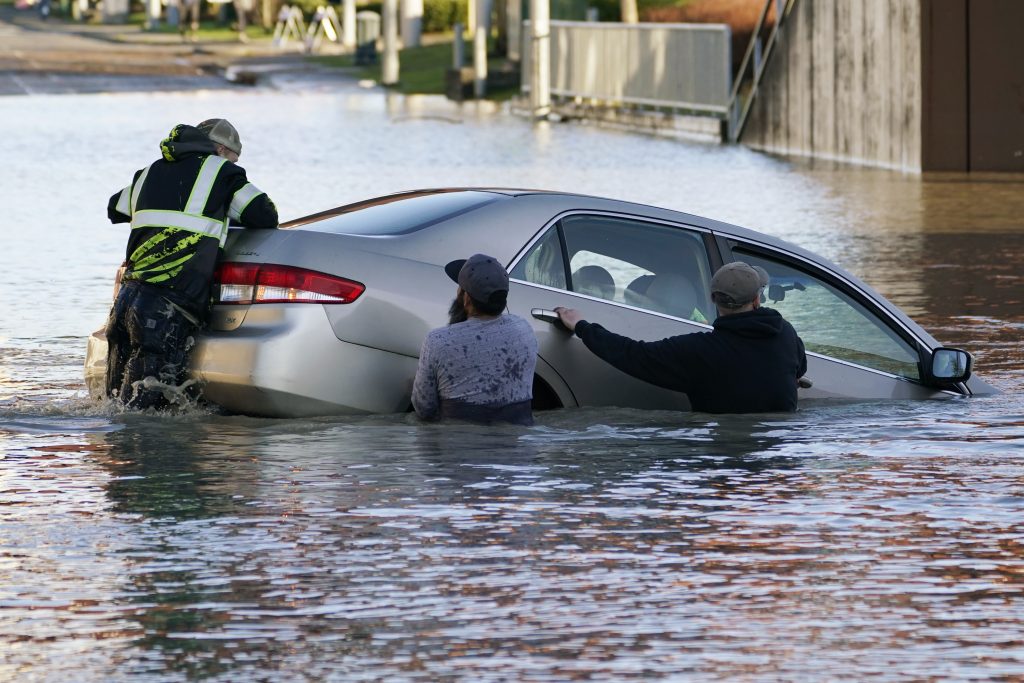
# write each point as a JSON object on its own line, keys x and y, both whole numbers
{"x": 479, "y": 368}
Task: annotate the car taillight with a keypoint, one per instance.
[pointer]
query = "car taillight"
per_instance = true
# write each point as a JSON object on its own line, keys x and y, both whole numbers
{"x": 267, "y": 283}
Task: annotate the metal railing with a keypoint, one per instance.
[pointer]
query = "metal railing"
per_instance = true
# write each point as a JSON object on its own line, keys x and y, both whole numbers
{"x": 748, "y": 77}
{"x": 684, "y": 67}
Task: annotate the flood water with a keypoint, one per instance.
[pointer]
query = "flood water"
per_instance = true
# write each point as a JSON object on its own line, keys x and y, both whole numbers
{"x": 877, "y": 540}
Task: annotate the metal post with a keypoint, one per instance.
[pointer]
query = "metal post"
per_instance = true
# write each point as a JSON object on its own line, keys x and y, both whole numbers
{"x": 153, "y": 12}
{"x": 458, "y": 47}
{"x": 540, "y": 79}
{"x": 628, "y": 11}
{"x": 115, "y": 11}
{"x": 412, "y": 22}
{"x": 348, "y": 25}
{"x": 483, "y": 14}
{"x": 514, "y": 16}
{"x": 389, "y": 66}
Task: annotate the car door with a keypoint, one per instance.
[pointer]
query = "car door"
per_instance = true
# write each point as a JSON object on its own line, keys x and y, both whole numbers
{"x": 643, "y": 279}
{"x": 855, "y": 349}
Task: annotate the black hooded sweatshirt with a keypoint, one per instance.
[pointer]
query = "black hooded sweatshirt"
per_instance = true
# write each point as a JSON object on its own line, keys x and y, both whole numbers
{"x": 750, "y": 363}
{"x": 167, "y": 187}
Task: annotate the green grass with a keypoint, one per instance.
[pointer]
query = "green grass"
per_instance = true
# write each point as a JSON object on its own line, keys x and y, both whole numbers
{"x": 421, "y": 69}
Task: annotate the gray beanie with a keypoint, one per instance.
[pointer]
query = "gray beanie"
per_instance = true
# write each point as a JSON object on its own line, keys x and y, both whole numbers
{"x": 222, "y": 132}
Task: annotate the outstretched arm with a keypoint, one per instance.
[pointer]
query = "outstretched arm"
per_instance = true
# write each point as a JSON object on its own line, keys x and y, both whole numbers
{"x": 252, "y": 208}
{"x": 663, "y": 363}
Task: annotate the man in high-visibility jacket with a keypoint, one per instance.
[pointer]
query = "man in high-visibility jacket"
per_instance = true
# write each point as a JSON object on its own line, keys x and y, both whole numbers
{"x": 179, "y": 208}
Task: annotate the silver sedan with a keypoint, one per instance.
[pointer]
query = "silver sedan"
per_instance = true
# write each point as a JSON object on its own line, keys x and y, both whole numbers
{"x": 326, "y": 315}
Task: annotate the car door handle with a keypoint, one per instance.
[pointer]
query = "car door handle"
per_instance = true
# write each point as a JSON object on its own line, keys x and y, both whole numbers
{"x": 548, "y": 316}
{"x": 804, "y": 383}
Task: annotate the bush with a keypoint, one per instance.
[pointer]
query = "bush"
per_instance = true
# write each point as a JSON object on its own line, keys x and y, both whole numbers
{"x": 438, "y": 15}
{"x": 308, "y": 7}
{"x": 441, "y": 15}
{"x": 740, "y": 15}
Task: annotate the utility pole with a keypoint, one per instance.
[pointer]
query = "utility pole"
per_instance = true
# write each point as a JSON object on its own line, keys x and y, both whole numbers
{"x": 412, "y": 22}
{"x": 348, "y": 24}
{"x": 389, "y": 66}
{"x": 540, "y": 79}
{"x": 153, "y": 12}
{"x": 483, "y": 16}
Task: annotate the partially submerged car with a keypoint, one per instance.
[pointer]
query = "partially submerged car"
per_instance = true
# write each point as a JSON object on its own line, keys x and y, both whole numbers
{"x": 327, "y": 315}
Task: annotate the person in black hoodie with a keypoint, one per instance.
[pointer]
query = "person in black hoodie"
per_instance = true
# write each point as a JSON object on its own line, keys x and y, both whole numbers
{"x": 179, "y": 208}
{"x": 749, "y": 363}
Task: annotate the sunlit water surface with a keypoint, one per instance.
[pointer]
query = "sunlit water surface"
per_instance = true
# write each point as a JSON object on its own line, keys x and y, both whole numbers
{"x": 878, "y": 541}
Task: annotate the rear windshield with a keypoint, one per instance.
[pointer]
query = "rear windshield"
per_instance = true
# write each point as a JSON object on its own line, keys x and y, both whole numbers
{"x": 396, "y": 214}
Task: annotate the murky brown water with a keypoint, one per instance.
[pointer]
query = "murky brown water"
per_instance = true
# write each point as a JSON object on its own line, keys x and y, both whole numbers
{"x": 870, "y": 540}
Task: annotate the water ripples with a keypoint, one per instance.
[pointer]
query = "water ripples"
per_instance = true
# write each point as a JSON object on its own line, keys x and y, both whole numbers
{"x": 600, "y": 543}
{"x": 873, "y": 540}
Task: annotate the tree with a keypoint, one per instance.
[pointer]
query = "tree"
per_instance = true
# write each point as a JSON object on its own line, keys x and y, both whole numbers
{"x": 630, "y": 15}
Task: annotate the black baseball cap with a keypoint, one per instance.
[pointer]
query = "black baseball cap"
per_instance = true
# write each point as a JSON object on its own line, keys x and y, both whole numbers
{"x": 480, "y": 276}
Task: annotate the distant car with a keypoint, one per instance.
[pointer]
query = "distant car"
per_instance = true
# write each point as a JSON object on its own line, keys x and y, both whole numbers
{"x": 327, "y": 314}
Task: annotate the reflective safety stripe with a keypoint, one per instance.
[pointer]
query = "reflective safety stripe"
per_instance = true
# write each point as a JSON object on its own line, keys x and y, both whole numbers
{"x": 224, "y": 232}
{"x": 204, "y": 184}
{"x": 156, "y": 218}
{"x": 124, "y": 202}
{"x": 143, "y": 257}
{"x": 138, "y": 189}
{"x": 161, "y": 278}
{"x": 242, "y": 199}
{"x": 144, "y": 248}
{"x": 163, "y": 255}
{"x": 145, "y": 273}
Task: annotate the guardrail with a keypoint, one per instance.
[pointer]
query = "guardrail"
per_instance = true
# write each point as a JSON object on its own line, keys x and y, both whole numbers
{"x": 684, "y": 67}
{"x": 763, "y": 40}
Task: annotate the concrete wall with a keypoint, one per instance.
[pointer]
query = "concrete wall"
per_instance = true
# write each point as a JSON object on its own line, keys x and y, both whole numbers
{"x": 844, "y": 83}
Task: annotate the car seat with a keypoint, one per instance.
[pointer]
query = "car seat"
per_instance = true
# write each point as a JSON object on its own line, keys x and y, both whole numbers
{"x": 595, "y": 281}
{"x": 640, "y": 285}
{"x": 675, "y": 295}
{"x": 635, "y": 292}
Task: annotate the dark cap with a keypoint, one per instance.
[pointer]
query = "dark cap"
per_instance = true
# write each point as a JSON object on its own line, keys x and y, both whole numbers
{"x": 481, "y": 276}
{"x": 222, "y": 132}
{"x": 739, "y": 283}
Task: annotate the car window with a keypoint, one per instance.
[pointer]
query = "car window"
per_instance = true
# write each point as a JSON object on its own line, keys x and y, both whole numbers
{"x": 396, "y": 214}
{"x": 831, "y": 322}
{"x": 651, "y": 266}
{"x": 544, "y": 263}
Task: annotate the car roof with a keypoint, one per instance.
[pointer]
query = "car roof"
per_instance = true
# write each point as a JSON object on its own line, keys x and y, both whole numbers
{"x": 519, "y": 214}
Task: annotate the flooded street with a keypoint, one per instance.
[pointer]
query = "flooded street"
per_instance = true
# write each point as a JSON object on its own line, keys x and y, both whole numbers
{"x": 876, "y": 540}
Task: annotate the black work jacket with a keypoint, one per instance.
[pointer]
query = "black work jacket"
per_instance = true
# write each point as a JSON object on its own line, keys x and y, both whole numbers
{"x": 179, "y": 208}
{"x": 749, "y": 363}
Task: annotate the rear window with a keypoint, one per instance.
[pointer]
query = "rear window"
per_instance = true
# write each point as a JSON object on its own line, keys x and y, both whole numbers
{"x": 396, "y": 214}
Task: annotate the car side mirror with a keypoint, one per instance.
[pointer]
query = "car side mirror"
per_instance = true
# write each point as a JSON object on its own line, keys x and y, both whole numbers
{"x": 778, "y": 292}
{"x": 950, "y": 366}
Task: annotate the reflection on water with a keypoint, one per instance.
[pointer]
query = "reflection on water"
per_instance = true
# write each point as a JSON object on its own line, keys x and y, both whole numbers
{"x": 610, "y": 543}
{"x": 877, "y": 539}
